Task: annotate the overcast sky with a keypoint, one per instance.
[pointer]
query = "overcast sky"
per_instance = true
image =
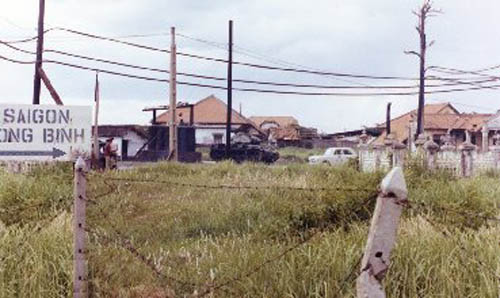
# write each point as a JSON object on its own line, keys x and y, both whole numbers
{"x": 350, "y": 36}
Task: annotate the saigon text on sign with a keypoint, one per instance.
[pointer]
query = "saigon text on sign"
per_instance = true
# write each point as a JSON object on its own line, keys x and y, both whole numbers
{"x": 44, "y": 132}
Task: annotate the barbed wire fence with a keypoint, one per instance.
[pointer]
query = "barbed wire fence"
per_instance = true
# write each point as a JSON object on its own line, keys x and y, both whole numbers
{"x": 112, "y": 237}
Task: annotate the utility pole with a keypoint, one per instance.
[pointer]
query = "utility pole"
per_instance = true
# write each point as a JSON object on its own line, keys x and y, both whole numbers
{"x": 173, "y": 154}
{"x": 229, "y": 89}
{"x": 39, "y": 53}
{"x": 388, "y": 120}
{"x": 425, "y": 11}
{"x": 97, "y": 99}
{"x": 423, "y": 50}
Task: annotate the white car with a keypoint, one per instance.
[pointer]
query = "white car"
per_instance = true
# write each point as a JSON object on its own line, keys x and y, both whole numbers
{"x": 334, "y": 156}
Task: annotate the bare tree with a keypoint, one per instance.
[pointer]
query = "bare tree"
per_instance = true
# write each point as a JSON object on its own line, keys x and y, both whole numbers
{"x": 425, "y": 11}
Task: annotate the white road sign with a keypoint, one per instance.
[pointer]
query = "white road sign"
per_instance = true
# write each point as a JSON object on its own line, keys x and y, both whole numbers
{"x": 44, "y": 132}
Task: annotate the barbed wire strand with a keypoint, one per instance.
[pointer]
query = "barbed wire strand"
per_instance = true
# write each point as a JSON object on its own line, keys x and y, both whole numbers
{"x": 447, "y": 234}
{"x": 226, "y": 186}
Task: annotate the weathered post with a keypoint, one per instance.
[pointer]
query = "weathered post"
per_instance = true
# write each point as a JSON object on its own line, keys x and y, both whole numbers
{"x": 79, "y": 263}
{"x": 378, "y": 156}
{"x": 466, "y": 158}
{"x": 431, "y": 149}
{"x": 419, "y": 143}
{"x": 398, "y": 156}
{"x": 362, "y": 148}
{"x": 388, "y": 142}
{"x": 382, "y": 235}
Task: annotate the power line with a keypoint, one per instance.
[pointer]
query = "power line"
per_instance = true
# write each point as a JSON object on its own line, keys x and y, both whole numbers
{"x": 238, "y": 89}
{"x": 454, "y": 71}
{"x": 269, "y": 83}
{"x": 110, "y": 39}
{"x": 265, "y": 67}
{"x": 259, "y": 66}
{"x": 269, "y": 91}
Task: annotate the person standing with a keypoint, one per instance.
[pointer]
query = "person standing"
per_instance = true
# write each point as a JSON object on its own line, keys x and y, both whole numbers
{"x": 109, "y": 154}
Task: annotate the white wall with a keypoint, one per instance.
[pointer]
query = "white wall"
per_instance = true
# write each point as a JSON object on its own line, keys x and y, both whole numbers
{"x": 205, "y": 136}
{"x": 135, "y": 142}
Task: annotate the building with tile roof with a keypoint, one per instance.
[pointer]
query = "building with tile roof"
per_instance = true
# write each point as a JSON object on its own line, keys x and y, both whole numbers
{"x": 209, "y": 117}
{"x": 267, "y": 122}
{"x": 439, "y": 120}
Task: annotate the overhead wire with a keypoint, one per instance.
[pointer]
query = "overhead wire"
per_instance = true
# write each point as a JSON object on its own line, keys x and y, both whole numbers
{"x": 476, "y": 84}
{"x": 253, "y": 65}
{"x": 278, "y": 84}
{"x": 269, "y": 91}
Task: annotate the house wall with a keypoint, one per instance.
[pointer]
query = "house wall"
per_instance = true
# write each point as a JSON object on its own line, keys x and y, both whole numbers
{"x": 205, "y": 135}
{"x": 135, "y": 142}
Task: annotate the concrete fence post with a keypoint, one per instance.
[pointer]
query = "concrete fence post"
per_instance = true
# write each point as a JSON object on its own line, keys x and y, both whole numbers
{"x": 79, "y": 234}
{"x": 388, "y": 142}
{"x": 398, "y": 156}
{"x": 466, "y": 161}
{"x": 362, "y": 149}
{"x": 382, "y": 235}
{"x": 431, "y": 149}
{"x": 378, "y": 156}
{"x": 419, "y": 143}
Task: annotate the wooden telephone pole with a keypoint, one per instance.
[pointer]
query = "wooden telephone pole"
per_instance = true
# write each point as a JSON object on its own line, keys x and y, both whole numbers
{"x": 97, "y": 99}
{"x": 423, "y": 13}
{"x": 39, "y": 53}
{"x": 173, "y": 154}
{"x": 388, "y": 120}
{"x": 229, "y": 90}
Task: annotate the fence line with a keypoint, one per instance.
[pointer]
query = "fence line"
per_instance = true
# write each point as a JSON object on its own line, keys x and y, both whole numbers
{"x": 446, "y": 234}
{"x": 127, "y": 245}
{"x": 238, "y": 187}
{"x": 451, "y": 210}
{"x": 369, "y": 270}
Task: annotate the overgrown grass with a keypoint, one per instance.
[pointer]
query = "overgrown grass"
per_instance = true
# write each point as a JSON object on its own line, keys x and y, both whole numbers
{"x": 200, "y": 237}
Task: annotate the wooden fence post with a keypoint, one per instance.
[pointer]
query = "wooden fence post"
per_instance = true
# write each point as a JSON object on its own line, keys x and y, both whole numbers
{"x": 79, "y": 233}
{"x": 382, "y": 235}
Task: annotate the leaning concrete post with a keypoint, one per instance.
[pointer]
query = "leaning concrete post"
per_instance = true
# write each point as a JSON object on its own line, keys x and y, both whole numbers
{"x": 466, "y": 158}
{"x": 382, "y": 235}
{"x": 79, "y": 264}
{"x": 431, "y": 149}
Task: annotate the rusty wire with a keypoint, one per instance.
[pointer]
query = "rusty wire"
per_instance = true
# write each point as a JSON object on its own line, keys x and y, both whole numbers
{"x": 248, "y": 187}
{"x": 447, "y": 235}
{"x": 127, "y": 245}
{"x": 467, "y": 214}
{"x": 241, "y": 276}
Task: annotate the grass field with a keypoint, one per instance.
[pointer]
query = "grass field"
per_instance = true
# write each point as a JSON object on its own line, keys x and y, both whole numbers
{"x": 265, "y": 240}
